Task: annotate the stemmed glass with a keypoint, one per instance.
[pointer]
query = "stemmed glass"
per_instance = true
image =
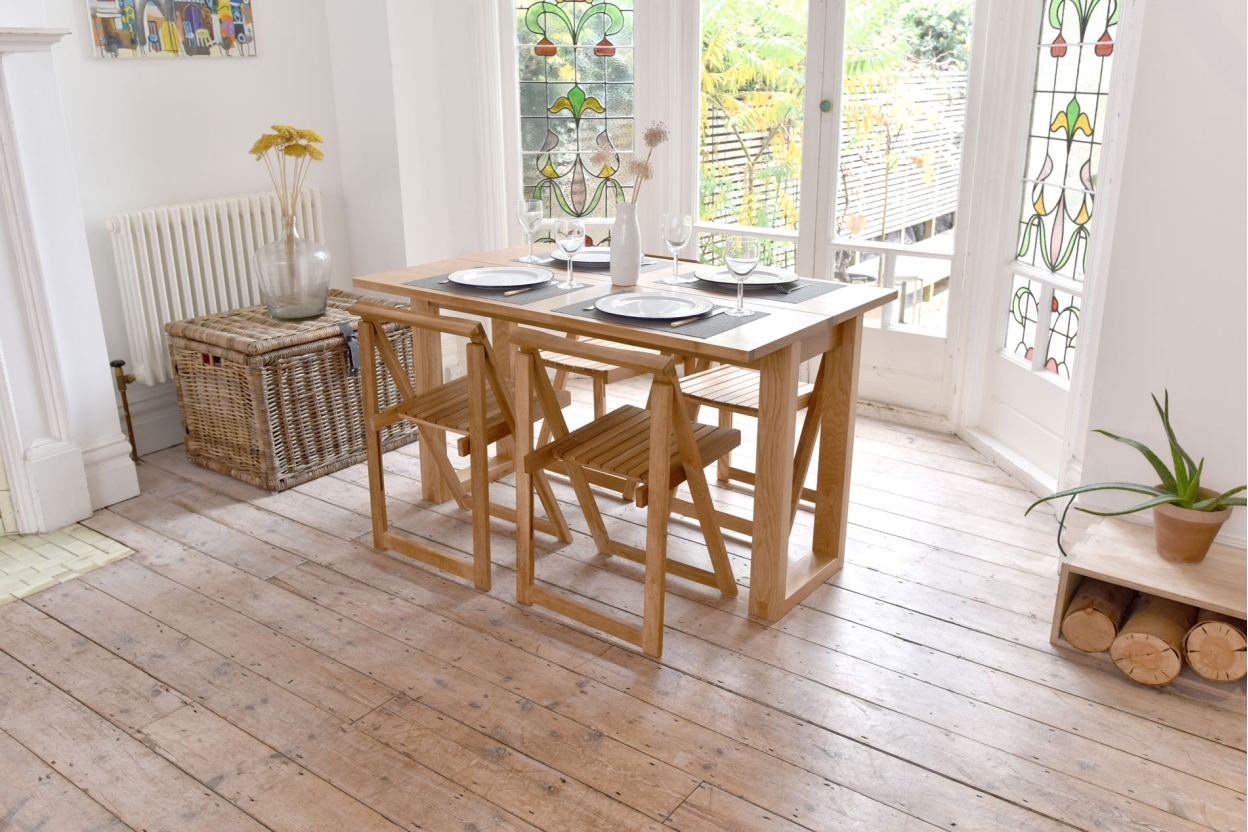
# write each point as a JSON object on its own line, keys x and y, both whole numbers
{"x": 677, "y": 229}
{"x": 570, "y": 236}
{"x": 529, "y": 213}
{"x": 741, "y": 255}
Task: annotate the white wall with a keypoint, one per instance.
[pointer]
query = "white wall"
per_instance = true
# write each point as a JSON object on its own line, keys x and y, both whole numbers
{"x": 1176, "y": 287}
{"x": 147, "y": 132}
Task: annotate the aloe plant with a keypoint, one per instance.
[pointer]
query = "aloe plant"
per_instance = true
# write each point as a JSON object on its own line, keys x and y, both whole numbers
{"x": 1180, "y": 487}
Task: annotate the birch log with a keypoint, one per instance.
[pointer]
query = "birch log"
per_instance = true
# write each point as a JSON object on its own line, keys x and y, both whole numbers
{"x": 1094, "y": 615}
{"x": 1149, "y": 647}
{"x": 1215, "y": 647}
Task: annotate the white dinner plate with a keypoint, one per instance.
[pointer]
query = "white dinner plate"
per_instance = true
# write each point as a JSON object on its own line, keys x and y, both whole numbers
{"x": 762, "y": 276}
{"x": 500, "y": 277}
{"x": 590, "y": 256}
{"x": 653, "y": 306}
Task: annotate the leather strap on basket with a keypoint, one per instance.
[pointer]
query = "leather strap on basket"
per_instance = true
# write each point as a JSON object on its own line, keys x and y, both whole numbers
{"x": 352, "y": 345}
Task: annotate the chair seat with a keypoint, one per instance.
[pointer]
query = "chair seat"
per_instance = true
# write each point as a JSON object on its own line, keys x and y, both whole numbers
{"x": 619, "y": 444}
{"x": 446, "y": 407}
{"x": 589, "y": 367}
{"x": 734, "y": 389}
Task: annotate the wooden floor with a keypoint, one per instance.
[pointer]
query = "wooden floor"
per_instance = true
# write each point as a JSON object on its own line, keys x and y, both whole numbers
{"x": 256, "y": 665}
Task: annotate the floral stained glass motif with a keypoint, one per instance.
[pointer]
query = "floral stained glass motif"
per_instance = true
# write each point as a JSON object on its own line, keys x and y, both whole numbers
{"x": 576, "y": 97}
{"x": 1063, "y": 330}
{"x": 1024, "y": 320}
{"x": 1064, "y": 149}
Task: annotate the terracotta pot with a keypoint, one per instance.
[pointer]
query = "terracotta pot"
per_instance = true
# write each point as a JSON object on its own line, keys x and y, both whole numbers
{"x": 1184, "y": 535}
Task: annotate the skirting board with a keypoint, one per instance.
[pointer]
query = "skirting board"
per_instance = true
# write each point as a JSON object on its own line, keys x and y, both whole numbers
{"x": 111, "y": 476}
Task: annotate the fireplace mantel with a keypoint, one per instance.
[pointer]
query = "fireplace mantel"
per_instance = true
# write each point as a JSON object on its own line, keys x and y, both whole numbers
{"x": 60, "y": 438}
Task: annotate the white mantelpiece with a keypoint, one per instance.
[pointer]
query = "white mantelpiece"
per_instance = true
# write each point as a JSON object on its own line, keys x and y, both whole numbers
{"x": 60, "y": 437}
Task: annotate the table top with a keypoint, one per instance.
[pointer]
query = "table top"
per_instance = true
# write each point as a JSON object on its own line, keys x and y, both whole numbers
{"x": 785, "y": 323}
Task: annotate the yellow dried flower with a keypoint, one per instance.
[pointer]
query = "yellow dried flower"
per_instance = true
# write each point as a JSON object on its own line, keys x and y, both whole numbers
{"x": 656, "y": 134}
{"x": 265, "y": 143}
{"x": 316, "y": 153}
{"x": 297, "y": 150}
{"x": 286, "y": 132}
{"x": 310, "y": 135}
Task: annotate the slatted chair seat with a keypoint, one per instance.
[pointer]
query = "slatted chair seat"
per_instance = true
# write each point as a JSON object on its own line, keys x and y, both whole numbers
{"x": 447, "y": 407}
{"x": 658, "y": 447}
{"x": 734, "y": 389}
{"x": 619, "y": 443}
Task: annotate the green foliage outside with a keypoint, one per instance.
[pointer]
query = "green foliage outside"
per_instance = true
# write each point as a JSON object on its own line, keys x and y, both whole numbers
{"x": 753, "y": 83}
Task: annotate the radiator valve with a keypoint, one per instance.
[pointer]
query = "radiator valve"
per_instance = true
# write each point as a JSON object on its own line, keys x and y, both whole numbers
{"x": 124, "y": 380}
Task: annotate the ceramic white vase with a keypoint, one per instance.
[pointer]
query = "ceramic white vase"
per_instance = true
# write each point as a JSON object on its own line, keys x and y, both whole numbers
{"x": 625, "y": 246}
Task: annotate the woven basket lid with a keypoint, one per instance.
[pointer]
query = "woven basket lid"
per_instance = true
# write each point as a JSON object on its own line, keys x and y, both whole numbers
{"x": 252, "y": 332}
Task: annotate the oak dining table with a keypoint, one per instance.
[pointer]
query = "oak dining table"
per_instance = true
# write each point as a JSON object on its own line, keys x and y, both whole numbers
{"x": 775, "y": 344}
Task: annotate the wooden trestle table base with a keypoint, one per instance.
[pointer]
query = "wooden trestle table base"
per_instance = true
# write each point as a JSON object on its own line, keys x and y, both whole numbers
{"x": 829, "y": 326}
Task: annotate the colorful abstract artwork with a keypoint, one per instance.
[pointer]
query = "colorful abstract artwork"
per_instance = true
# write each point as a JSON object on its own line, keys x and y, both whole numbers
{"x": 1064, "y": 148}
{"x": 172, "y": 28}
{"x": 576, "y": 103}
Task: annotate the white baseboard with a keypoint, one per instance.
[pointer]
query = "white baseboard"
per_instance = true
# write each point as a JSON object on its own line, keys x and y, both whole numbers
{"x": 60, "y": 492}
{"x": 905, "y": 416}
{"x": 111, "y": 476}
{"x": 1035, "y": 480}
{"x": 157, "y": 420}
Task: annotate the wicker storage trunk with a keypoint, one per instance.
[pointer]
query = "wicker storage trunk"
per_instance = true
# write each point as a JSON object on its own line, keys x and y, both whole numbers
{"x": 271, "y": 403}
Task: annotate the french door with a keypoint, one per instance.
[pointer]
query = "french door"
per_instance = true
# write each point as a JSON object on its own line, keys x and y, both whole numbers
{"x": 1063, "y": 67}
{"x": 832, "y": 129}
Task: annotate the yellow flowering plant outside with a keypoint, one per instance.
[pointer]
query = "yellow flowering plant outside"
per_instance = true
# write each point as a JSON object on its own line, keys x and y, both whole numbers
{"x": 288, "y": 153}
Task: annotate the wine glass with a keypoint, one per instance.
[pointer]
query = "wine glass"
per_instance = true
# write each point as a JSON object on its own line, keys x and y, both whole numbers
{"x": 570, "y": 236}
{"x": 677, "y": 229}
{"x": 741, "y": 255}
{"x": 529, "y": 213}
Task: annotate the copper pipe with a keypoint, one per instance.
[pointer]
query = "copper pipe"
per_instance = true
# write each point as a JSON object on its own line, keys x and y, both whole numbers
{"x": 125, "y": 379}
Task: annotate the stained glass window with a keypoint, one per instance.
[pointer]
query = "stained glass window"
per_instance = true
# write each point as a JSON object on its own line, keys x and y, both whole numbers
{"x": 1020, "y": 331}
{"x": 1063, "y": 329}
{"x": 576, "y": 98}
{"x": 1068, "y": 115}
{"x": 1068, "y": 118}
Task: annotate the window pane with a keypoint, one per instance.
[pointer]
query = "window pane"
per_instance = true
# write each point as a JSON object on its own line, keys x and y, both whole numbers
{"x": 576, "y": 103}
{"x": 1076, "y": 44}
{"x": 781, "y": 254}
{"x": 753, "y": 85}
{"x": 903, "y": 115}
{"x": 1020, "y": 329}
{"x": 1063, "y": 330}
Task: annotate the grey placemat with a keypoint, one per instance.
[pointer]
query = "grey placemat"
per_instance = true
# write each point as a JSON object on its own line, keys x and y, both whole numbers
{"x": 546, "y": 290}
{"x": 808, "y": 290}
{"x": 705, "y": 328}
{"x": 648, "y": 264}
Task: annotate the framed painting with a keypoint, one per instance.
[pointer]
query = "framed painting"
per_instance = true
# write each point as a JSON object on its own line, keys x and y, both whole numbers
{"x": 172, "y": 28}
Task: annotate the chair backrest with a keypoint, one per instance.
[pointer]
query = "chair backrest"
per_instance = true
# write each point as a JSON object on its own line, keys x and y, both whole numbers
{"x": 667, "y": 403}
{"x": 481, "y": 358}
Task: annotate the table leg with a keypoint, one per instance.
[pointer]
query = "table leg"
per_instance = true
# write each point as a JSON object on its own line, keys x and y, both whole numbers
{"x": 500, "y": 337}
{"x": 836, "y": 446}
{"x": 427, "y": 352}
{"x": 773, "y": 486}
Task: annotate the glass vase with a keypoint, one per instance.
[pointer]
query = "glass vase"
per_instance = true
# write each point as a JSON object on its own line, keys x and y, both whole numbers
{"x": 293, "y": 275}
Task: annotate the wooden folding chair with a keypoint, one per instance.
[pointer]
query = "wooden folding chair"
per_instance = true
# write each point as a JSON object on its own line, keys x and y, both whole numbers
{"x": 734, "y": 391}
{"x": 631, "y": 443}
{"x": 478, "y": 406}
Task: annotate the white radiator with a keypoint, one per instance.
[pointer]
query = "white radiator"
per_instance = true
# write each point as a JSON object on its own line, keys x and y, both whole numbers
{"x": 191, "y": 259}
